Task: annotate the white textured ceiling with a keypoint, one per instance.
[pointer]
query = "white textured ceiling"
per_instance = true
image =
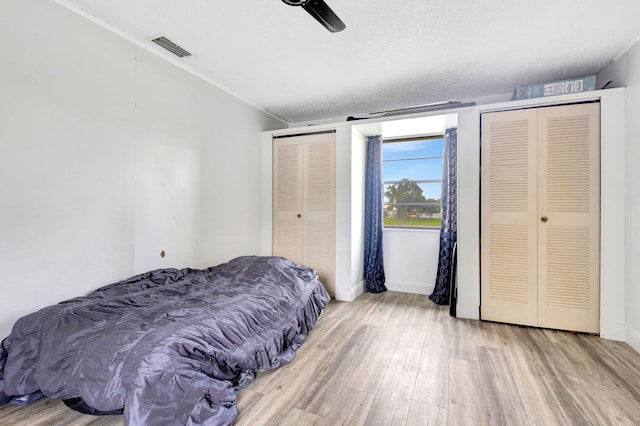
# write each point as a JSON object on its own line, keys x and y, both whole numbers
{"x": 393, "y": 54}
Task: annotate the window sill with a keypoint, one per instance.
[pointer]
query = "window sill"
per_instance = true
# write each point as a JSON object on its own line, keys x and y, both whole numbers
{"x": 409, "y": 229}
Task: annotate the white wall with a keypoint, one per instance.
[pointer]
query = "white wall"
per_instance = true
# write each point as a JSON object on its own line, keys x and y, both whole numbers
{"x": 232, "y": 180}
{"x": 108, "y": 155}
{"x": 344, "y": 208}
{"x": 355, "y": 286}
{"x": 166, "y": 170}
{"x": 468, "y": 265}
{"x": 626, "y": 72}
{"x": 411, "y": 259}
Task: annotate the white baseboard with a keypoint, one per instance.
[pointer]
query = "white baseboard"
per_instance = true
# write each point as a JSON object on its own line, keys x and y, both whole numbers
{"x": 467, "y": 311}
{"x": 404, "y": 287}
{"x": 351, "y": 294}
{"x": 614, "y": 332}
{"x": 633, "y": 339}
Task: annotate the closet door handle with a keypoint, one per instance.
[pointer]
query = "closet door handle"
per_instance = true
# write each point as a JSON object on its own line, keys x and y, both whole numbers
{"x": 299, "y": 216}
{"x": 544, "y": 218}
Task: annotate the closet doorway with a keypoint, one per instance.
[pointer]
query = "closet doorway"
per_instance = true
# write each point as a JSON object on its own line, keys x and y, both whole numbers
{"x": 540, "y": 217}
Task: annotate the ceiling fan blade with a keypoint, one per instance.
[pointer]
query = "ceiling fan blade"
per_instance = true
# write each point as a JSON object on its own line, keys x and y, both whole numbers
{"x": 323, "y": 14}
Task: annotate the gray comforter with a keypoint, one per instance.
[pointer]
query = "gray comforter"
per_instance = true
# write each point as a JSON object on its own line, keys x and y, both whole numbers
{"x": 165, "y": 346}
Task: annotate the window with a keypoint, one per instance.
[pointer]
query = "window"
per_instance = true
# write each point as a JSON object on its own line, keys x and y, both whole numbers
{"x": 412, "y": 175}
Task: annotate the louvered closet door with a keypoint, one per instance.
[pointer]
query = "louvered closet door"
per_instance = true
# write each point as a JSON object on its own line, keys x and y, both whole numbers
{"x": 508, "y": 217}
{"x": 287, "y": 198}
{"x": 569, "y": 202}
{"x": 304, "y": 202}
{"x": 319, "y": 207}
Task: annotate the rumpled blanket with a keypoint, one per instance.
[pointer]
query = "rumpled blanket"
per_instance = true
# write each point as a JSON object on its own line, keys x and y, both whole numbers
{"x": 167, "y": 345}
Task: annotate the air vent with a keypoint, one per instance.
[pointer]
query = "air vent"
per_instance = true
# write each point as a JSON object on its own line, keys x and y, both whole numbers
{"x": 167, "y": 44}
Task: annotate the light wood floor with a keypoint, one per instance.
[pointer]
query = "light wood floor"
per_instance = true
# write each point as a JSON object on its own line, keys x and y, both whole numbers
{"x": 398, "y": 359}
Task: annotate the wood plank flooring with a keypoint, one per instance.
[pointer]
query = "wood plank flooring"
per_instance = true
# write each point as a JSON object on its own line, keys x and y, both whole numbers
{"x": 398, "y": 359}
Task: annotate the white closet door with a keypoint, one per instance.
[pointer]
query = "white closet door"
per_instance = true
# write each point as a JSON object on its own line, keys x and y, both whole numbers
{"x": 318, "y": 245}
{"x": 287, "y": 198}
{"x": 568, "y": 217}
{"x": 508, "y": 217}
{"x": 304, "y": 187}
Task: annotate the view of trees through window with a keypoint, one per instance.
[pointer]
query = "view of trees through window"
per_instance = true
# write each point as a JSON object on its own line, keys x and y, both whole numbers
{"x": 412, "y": 170}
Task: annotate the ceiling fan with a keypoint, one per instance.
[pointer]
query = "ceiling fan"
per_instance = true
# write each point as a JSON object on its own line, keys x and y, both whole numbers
{"x": 322, "y": 12}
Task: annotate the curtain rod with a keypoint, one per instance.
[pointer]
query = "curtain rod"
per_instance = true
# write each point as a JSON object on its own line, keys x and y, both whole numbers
{"x": 319, "y": 132}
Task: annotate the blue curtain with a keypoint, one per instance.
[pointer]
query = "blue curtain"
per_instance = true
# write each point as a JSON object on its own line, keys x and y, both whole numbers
{"x": 373, "y": 266}
{"x": 448, "y": 228}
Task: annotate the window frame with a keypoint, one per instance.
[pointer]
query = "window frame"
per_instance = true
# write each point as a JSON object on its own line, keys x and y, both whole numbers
{"x": 385, "y": 182}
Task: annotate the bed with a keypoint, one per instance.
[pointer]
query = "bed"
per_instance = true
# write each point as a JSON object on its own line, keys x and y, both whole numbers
{"x": 171, "y": 346}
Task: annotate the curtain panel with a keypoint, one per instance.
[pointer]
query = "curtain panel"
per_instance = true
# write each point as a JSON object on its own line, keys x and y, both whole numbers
{"x": 449, "y": 227}
{"x": 373, "y": 263}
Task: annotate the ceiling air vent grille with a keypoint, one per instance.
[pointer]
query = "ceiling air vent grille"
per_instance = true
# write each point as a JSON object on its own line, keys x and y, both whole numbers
{"x": 167, "y": 44}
